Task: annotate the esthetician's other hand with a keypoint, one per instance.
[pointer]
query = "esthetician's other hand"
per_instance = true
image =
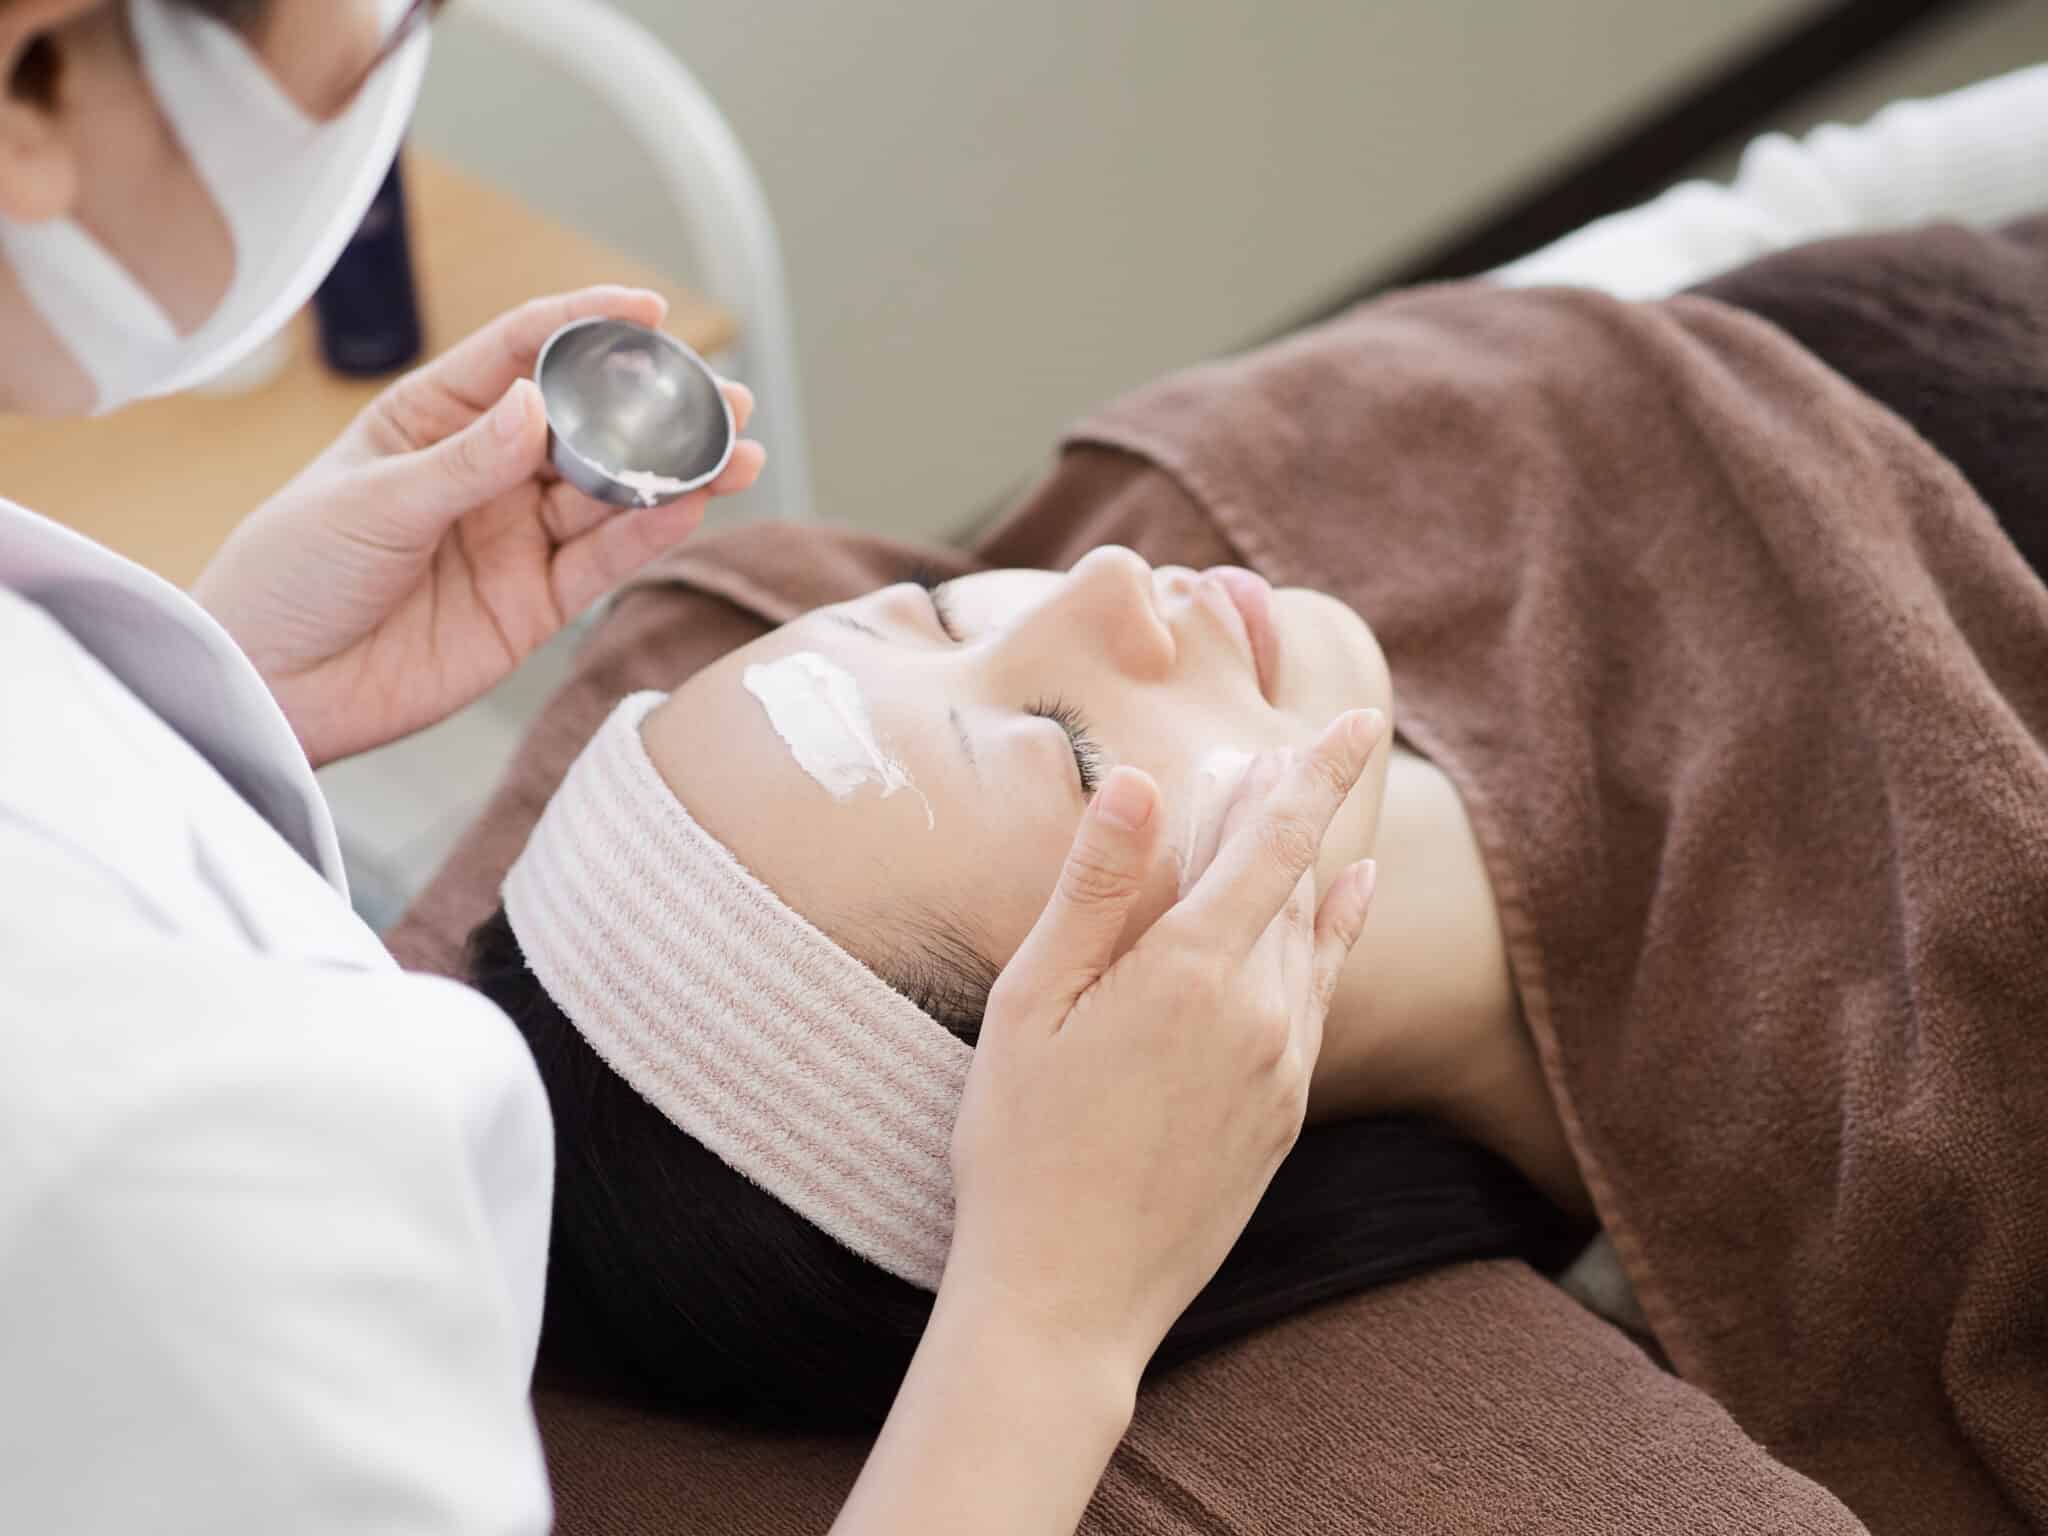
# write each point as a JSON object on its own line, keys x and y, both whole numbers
{"x": 1126, "y": 1113}
{"x": 1126, "y": 1109}
{"x": 422, "y": 557}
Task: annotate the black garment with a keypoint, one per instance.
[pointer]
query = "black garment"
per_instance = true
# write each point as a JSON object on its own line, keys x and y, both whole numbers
{"x": 1946, "y": 326}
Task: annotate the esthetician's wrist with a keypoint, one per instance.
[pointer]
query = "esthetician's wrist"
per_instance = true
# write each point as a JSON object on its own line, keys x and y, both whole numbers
{"x": 1050, "y": 1362}
{"x": 996, "y": 1429}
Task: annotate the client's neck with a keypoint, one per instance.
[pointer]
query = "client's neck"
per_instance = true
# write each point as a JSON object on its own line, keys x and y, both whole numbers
{"x": 1426, "y": 1017}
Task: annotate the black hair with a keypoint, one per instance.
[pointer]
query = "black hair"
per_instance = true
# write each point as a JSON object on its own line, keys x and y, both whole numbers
{"x": 941, "y": 969}
{"x": 674, "y": 1278}
{"x": 37, "y": 73}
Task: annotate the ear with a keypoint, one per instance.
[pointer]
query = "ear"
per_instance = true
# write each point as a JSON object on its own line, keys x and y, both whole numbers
{"x": 38, "y": 168}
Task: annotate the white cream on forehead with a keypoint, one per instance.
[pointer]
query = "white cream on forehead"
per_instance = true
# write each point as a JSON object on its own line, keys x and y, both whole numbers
{"x": 817, "y": 709}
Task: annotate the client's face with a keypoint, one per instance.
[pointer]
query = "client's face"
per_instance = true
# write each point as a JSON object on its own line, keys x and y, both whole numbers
{"x": 1003, "y": 699}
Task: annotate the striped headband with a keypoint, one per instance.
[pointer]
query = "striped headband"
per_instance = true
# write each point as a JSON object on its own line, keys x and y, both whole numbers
{"x": 730, "y": 1013}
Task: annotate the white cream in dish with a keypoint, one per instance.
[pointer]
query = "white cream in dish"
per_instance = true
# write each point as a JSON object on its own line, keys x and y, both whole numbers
{"x": 817, "y": 709}
{"x": 649, "y": 486}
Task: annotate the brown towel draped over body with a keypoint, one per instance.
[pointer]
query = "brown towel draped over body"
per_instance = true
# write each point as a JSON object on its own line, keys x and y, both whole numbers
{"x": 1747, "y": 694}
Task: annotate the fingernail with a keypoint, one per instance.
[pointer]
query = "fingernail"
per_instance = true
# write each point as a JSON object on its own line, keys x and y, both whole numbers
{"x": 1125, "y": 801}
{"x": 1365, "y": 729}
{"x": 1368, "y": 879}
{"x": 511, "y": 414}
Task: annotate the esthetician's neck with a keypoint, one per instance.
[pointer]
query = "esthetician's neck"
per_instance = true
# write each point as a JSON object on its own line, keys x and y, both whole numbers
{"x": 1426, "y": 1017}
{"x": 41, "y": 377}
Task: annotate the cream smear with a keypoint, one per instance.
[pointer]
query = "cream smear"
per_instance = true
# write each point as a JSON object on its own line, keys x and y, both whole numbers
{"x": 1217, "y": 776}
{"x": 817, "y": 709}
{"x": 649, "y": 486}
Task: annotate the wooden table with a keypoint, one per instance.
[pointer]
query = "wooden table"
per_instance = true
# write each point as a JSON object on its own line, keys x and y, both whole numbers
{"x": 165, "y": 481}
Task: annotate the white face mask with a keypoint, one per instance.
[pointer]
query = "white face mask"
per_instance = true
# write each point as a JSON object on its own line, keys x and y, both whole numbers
{"x": 291, "y": 189}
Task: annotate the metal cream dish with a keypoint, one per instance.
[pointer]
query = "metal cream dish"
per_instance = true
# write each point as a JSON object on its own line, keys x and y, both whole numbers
{"x": 635, "y": 418}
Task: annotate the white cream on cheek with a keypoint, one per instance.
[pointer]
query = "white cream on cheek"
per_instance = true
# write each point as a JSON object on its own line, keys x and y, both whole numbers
{"x": 817, "y": 709}
{"x": 1217, "y": 776}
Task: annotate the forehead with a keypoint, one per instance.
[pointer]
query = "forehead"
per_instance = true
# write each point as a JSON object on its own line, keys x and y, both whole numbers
{"x": 904, "y": 689}
{"x": 716, "y": 746}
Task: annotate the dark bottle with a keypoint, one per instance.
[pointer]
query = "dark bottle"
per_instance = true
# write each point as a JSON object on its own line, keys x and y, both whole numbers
{"x": 369, "y": 306}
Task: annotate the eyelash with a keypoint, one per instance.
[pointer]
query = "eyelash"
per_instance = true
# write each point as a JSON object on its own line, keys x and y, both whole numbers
{"x": 934, "y": 583}
{"x": 942, "y": 610}
{"x": 1089, "y": 757}
{"x": 1090, "y": 760}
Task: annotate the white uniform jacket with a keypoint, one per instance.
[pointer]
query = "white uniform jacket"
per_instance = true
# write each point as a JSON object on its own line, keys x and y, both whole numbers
{"x": 273, "y": 1214}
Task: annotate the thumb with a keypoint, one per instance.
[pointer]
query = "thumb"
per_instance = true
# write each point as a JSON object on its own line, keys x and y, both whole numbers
{"x": 425, "y": 491}
{"x": 1075, "y": 938}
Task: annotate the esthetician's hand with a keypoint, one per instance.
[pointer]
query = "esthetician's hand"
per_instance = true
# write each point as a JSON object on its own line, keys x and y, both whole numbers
{"x": 422, "y": 557}
{"x": 1124, "y": 1113}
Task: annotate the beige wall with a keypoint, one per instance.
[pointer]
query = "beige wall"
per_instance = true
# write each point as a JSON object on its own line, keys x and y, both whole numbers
{"x": 944, "y": 208}
{"x": 998, "y": 211}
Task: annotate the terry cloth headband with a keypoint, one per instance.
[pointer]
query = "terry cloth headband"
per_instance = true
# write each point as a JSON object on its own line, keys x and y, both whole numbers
{"x": 727, "y": 1011}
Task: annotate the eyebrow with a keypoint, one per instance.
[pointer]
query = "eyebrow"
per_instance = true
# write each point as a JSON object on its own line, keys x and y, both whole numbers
{"x": 848, "y": 621}
{"x": 966, "y": 741}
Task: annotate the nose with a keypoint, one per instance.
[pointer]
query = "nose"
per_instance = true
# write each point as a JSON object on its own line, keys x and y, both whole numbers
{"x": 1104, "y": 611}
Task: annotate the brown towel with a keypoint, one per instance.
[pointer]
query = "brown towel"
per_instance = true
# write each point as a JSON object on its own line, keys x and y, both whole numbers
{"x": 1477, "y": 1402}
{"x": 1746, "y": 692}
{"x": 1948, "y": 327}
{"x": 1474, "y": 1401}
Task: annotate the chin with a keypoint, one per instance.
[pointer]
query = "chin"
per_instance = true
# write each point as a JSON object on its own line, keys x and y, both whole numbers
{"x": 1330, "y": 661}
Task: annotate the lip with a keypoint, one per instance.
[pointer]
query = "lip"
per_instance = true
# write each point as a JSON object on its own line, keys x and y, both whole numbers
{"x": 1251, "y": 595}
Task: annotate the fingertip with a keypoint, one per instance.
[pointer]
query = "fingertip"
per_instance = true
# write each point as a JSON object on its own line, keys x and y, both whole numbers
{"x": 1362, "y": 729}
{"x": 508, "y": 440}
{"x": 632, "y": 302}
{"x": 619, "y": 301}
{"x": 749, "y": 458}
{"x": 521, "y": 412}
{"x": 1364, "y": 877}
{"x": 1127, "y": 799}
{"x": 1340, "y": 923}
{"x": 740, "y": 399}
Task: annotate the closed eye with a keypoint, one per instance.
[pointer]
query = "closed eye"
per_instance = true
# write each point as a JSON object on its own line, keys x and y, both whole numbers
{"x": 937, "y": 588}
{"x": 1090, "y": 761}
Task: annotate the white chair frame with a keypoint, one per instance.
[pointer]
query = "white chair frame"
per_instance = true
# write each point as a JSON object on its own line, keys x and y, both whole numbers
{"x": 736, "y": 255}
